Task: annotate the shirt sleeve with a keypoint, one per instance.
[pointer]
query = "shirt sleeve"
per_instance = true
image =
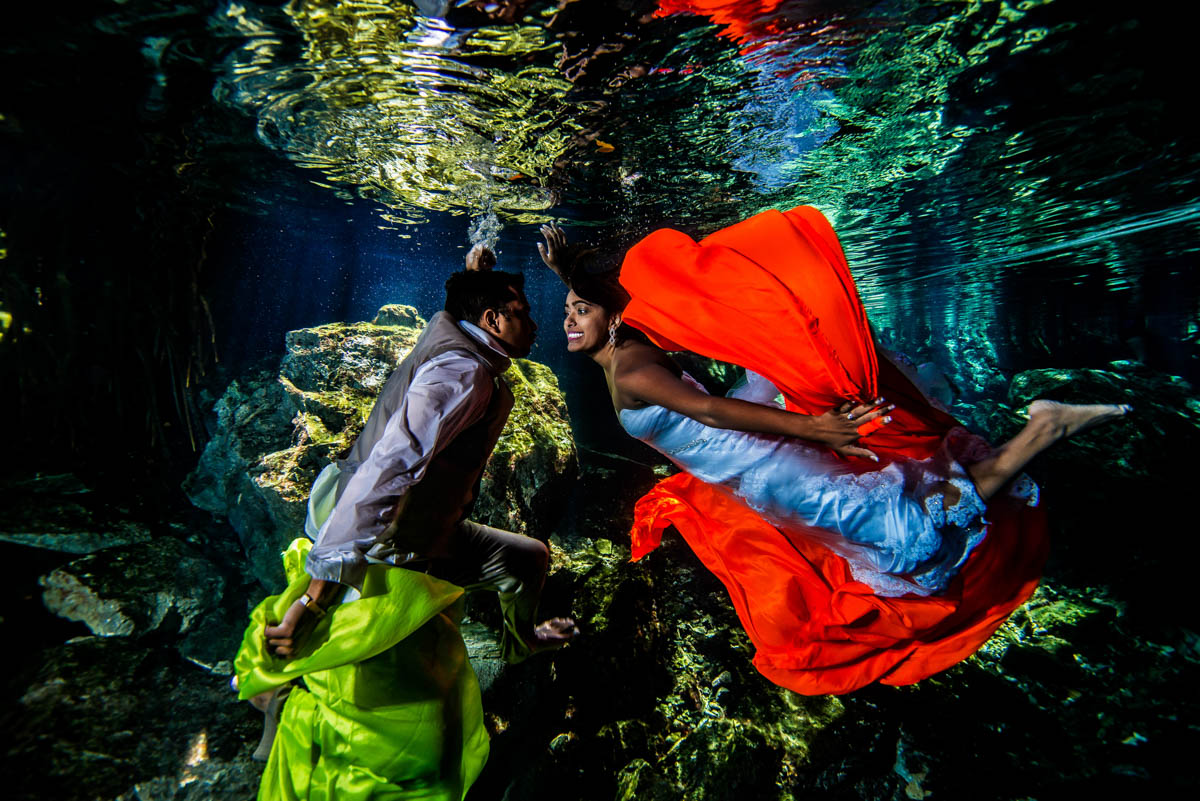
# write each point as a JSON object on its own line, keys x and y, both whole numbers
{"x": 447, "y": 395}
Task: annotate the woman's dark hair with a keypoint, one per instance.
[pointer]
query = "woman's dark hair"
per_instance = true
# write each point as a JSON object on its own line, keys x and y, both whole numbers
{"x": 470, "y": 293}
{"x": 625, "y": 332}
{"x": 592, "y": 274}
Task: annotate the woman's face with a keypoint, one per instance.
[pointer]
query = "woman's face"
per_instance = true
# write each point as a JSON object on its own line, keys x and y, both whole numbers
{"x": 586, "y": 324}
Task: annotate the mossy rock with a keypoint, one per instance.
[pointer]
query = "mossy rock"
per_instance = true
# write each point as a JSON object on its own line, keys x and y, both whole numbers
{"x": 276, "y": 430}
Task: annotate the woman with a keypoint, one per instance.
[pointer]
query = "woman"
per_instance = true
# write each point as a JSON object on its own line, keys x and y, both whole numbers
{"x": 850, "y": 532}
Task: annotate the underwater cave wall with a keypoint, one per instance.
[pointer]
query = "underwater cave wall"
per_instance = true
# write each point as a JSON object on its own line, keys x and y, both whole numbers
{"x": 104, "y": 220}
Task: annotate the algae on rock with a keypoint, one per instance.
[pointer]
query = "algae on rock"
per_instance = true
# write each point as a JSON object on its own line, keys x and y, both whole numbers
{"x": 277, "y": 428}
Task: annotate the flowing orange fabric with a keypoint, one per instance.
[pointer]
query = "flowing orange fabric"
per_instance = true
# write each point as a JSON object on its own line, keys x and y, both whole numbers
{"x": 741, "y": 20}
{"x": 774, "y": 294}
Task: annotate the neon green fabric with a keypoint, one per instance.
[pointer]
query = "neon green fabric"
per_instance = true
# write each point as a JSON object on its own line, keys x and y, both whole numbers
{"x": 391, "y": 706}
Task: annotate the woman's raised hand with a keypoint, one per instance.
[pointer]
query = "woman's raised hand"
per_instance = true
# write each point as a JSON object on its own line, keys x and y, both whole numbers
{"x": 554, "y": 249}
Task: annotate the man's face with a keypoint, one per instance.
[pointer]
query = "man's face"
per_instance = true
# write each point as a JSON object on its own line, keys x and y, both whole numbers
{"x": 512, "y": 325}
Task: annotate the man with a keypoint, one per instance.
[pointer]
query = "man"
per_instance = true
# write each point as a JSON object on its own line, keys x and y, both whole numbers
{"x": 410, "y": 480}
{"x": 389, "y": 705}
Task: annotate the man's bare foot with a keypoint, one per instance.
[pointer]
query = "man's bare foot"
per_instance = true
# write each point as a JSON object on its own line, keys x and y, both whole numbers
{"x": 1066, "y": 419}
{"x": 269, "y": 703}
{"x": 553, "y": 633}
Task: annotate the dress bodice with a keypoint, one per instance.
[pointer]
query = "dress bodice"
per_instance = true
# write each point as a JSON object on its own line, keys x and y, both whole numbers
{"x": 878, "y": 520}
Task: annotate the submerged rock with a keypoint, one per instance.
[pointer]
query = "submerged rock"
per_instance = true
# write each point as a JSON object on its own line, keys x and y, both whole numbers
{"x": 135, "y": 591}
{"x": 658, "y": 700}
{"x": 108, "y": 718}
{"x": 163, "y": 588}
{"x": 276, "y": 429}
{"x": 60, "y": 513}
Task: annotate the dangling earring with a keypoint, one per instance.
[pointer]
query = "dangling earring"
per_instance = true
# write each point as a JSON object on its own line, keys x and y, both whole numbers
{"x": 612, "y": 333}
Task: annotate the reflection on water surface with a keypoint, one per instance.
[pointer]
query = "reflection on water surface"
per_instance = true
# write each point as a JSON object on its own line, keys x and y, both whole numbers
{"x": 956, "y": 146}
{"x": 402, "y": 108}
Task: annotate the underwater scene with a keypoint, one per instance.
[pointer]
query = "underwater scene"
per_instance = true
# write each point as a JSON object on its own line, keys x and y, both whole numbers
{"x": 823, "y": 429}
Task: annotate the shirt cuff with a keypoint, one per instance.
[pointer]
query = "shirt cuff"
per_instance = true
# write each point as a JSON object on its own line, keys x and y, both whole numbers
{"x": 337, "y": 566}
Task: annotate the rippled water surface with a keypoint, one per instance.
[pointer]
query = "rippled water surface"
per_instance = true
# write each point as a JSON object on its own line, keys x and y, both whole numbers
{"x": 973, "y": 155}
{"x": 1018, "y": 172}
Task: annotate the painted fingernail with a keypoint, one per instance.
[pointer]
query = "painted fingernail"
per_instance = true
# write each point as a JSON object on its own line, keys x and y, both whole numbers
{"x": 887, "y": 419}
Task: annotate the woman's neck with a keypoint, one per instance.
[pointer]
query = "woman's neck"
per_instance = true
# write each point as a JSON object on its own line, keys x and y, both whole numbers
{"x": 603, "y": 356}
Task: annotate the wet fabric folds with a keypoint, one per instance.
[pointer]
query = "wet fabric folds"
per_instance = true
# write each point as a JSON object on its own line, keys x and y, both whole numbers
{"x": 773, "y": 294}
{"x": 389, "y": 707}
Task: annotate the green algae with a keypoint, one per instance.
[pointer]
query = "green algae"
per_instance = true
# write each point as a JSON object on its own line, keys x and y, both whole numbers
{"x": 1048, "y": 619}
{"x": 276, "y": 430}
{"x": 539, "y": 415}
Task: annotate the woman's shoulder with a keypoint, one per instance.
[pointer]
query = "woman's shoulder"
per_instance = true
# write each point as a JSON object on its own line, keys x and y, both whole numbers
{"x": 635, "y": 356}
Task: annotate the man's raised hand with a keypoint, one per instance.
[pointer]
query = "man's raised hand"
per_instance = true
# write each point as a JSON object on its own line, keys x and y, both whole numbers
{"x": 480, "y": 257}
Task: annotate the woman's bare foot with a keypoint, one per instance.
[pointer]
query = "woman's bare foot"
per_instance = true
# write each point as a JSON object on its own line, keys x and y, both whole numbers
{"x": 553, "y": 633}
{"x": 1049, "y": 422}
{"x": 1066, "y": 419}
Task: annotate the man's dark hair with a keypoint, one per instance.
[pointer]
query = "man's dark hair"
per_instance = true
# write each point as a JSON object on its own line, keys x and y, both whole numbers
{"x": 472, "y": 292}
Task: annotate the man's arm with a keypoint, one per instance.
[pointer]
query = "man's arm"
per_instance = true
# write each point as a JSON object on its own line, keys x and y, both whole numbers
{"x": 284, "y": 638}
{"x": 480, "y": 257}
{"x": 447, "y": 395}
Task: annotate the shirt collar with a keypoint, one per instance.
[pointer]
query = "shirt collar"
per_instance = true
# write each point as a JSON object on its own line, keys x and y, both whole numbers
{"x": 484, "y": 337}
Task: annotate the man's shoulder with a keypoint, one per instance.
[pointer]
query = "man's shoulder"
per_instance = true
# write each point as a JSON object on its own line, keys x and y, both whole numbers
{"x": 442, "y": 325}
{"x": 454, "y": 365}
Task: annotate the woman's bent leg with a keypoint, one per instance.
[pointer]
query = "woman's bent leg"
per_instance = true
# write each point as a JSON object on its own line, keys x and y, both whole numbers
{"x": 1048, "y": 423}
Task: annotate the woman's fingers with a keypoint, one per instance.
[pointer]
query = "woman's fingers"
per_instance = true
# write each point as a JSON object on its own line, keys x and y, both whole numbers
{"x": 878, "y": 405}
{"x": 870, "y": 413}
{"x": 553, "y": 247}
{"x": 873, "y": 425}
{"x": 555, "y": 236}
{"x": 868, "y": 416}
{"x": 854, "y": 450}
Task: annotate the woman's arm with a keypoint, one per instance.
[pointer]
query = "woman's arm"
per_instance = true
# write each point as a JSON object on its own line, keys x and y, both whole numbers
{"x": 652, "y": 383}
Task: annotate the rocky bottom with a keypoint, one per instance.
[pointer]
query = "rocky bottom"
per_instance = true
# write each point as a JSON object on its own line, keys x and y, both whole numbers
{"x": 1088, "y": 688}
